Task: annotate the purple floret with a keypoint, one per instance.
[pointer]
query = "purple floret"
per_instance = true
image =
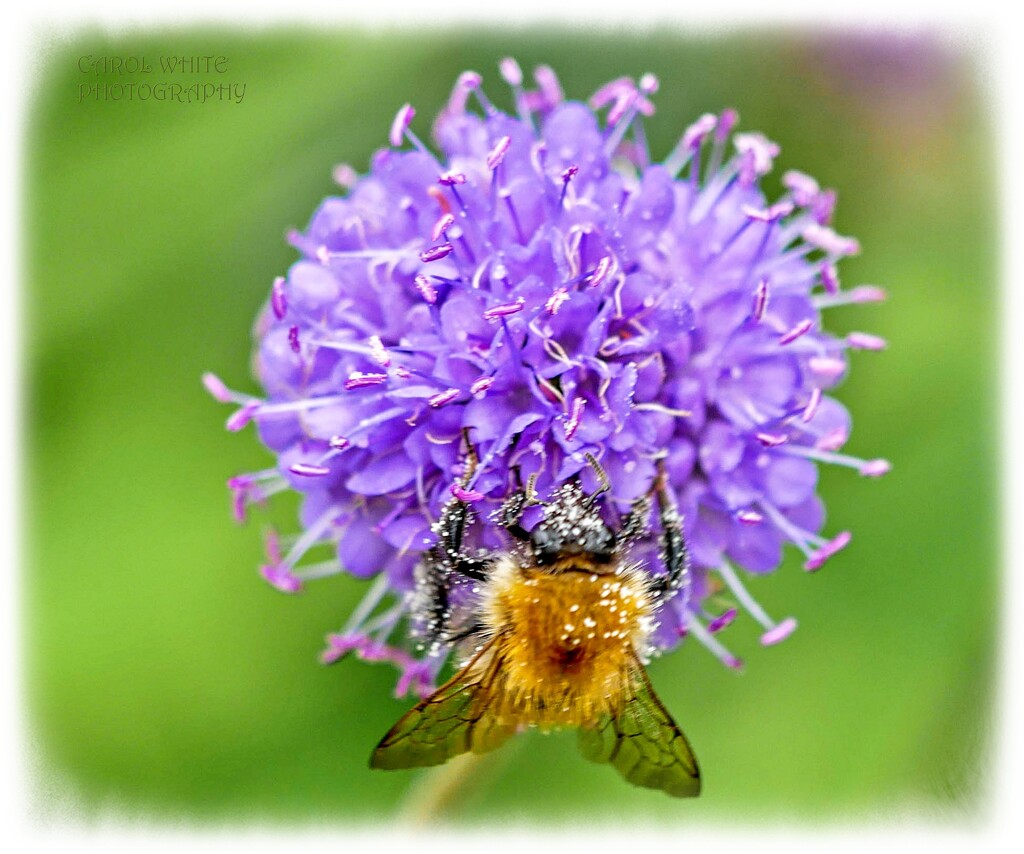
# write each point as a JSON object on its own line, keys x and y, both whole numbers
{"x": 541, "y": 283}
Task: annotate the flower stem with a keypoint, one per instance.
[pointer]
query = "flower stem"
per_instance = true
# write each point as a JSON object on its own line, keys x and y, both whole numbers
{"x": 431, "y": 796}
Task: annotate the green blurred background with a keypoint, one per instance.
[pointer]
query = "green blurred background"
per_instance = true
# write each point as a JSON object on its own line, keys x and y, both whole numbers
{"x": 165, "y": 679}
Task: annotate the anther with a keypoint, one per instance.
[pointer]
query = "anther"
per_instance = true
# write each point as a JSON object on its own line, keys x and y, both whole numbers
{"x": 802, "y": 328}
{"x": 443, "y": 398}
{"x": 865, "y": 341}
{"x": 446, "y": 221}
{"x": 817, "y": 558}
{"x": 436, "y": 253}
{"x": 359, "y": 379}
{"x": 278, "y": 300}
{"x": 504, "y": 310}
{"x": 309, "y": 470}
{"x": 426, "y": 288}
{"x": 497, "y": 154}
{"x": 403, "y": 118}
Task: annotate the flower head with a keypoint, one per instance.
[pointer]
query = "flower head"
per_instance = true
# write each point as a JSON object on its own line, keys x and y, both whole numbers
{"x": 541, "y": 283}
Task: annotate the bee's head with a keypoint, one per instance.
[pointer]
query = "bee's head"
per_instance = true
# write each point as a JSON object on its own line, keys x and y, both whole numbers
{"x": 572, "y": 525}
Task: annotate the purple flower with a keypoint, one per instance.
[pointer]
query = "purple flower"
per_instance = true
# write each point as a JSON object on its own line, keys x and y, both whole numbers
{"x": 541, "y": 282}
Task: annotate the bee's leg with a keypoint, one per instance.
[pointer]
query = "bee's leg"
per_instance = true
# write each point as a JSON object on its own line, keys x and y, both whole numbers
{"x": 674, "y": 555}
{"x": 636, "y": 524}
{"x": 446, "y": 557}
{"x": 510, "y": 515}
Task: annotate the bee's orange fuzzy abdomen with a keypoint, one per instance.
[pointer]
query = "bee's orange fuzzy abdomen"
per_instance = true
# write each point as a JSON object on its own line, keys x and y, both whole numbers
{"x": 568, "y": 636}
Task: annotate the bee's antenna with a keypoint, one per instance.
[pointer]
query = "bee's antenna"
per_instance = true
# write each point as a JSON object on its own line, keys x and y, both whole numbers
{"x": 472, "y": 459}
{"x": 602, "y": 476}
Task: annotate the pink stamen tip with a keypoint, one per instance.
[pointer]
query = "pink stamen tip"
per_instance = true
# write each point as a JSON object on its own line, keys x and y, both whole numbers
{"x": 467, "y": 495}
{"x": 812, "y": 405}
{"x": 758, "y": 153}
{"x": 441, "y": 226}
{"x": 436, "y": 253}
{"x": 555, "y": 301}
{"x": 345, "y": 176}
{"x": 610, "y": 91}
{"x": 726, "y": 122}
{"x": 481, "y": 385}
{"x": 470, "y": 80}
{"x": 827, "y": 240}
{"x": 547, "y": 82}
{"x": 733, "y": 662}
{"x": 827, "y": 367}
{"x": 511, "y": 73}
{"x": 721, "y": 621}
{"x": 823, "y": 206}
{"x": 220, "y": 392}
{"x": 238, "y": 419}
{"x": 378, "y": 352}
{"x": 575, "y": 417}
{"x": 770, "y": 214}
{"x": 868, "y": 293}
{"x": 802, "y": 328}
{"x": 875, "y": 468}
{"x": 449, "y": 179}
{"x": 339, "y": 443}
{"x": 497, "y": 154}
{"x": 338, "y": 646}
{"x": 772, "y": 440}
{"x": 749, "y": 517}
{"x": 359, "y": 379}
{"x": 504, "y": 310}
{"x": 323, "y": 255}
{"x": 779, "y": 633}
{"x": 601, "y": 270}
{"x": 278, "y": 300}
{"x": 569, "y": 173}
{"x": 694, "y": 135}
{"x": 836, "y": 544}
{"x": 293, "y": 339}
{"x": 833, "y": 440}
{"x": 830, "y": 278}
{"x": 281, "y": 577}
{"x": 760, "y": 299}
{"x": 442, "y": 398}
{"x": 649, "y": 84}
{"x": 426, "y": 288}
{"x": 403, "y": 118}
{"x": 309, "y": 470}
{"x": 803, "y": 187}
{"x": 865, "y": 341}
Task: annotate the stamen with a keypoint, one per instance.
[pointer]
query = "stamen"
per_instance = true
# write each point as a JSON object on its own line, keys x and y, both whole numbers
{"x": 760, "y": 300}
{"x": 860, "y": 294}
{"x": 215, "y": 386}
{"x": 497, "y": 154}
{"x": 446, "y": 221}
{"x": 773, "y": 632}
{"x": 749, "y": 517}
{"x": 237, "y": 420}
{"x": 812, "y": 405}
{"x": 802, "y": 328}
{"x": 866, "y": 468}
{"x": 281, "y": 577}
{"x": 442, "y": 398}
{"x": 803, "y": 188}
{"x": 722, "y": 620}
{"x": 481, "y": 385}
{"x": 555, "y": 301}
{"x": 865, "y": 341}
{"x": 309, "y": 470}
{"x": 575, "y": 418}
{"x": 278, "y": 300}
{"x": 403, "y": 118}
{"x": 816, "y": 560}
{"x": 830, "y": 279}
{"x": 601, "y": 271}
{"x": 772, "y": 440}
{"x": 511, "y": 73}
{"x": 827, "y": 240}
{"x": 360, "y": 379}
{"x": 426, "y": 288}
{"x": 468, "y": 495}
{"x": 833, "y": 440}
{"x": 504, "y": 310}
{"x": 436, "y": 253}
{"x": 827, "y": 367}
{"x": 696, "y": 628}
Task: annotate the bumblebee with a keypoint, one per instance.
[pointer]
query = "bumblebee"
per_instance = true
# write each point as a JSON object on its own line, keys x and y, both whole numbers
{"x": 556, "y": 636}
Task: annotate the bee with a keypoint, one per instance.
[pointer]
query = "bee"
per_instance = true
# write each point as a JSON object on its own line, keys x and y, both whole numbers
{"x": 557, "y": 634}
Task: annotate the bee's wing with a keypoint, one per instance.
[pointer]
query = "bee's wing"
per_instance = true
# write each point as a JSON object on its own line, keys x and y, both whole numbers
{"x": 455, "y": 719}
{"x": 642, "y": 741}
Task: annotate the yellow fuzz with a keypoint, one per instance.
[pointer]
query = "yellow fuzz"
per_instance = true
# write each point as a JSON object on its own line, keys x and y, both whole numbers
{"x": 566, "y": 638}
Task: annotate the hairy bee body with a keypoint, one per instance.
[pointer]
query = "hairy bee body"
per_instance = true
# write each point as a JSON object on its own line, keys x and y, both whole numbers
{"x": 567, "y": 635}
